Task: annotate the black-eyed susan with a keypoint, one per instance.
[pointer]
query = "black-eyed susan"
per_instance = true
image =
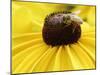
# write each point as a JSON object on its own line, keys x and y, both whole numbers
{"x": 40, "y": 44}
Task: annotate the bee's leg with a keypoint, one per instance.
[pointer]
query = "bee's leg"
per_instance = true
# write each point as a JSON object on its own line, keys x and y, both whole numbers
{"x": 67, "y": 23}
{"x": 74, "y": 29}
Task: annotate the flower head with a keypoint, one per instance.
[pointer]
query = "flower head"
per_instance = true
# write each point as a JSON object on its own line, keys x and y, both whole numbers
{"x": 43, "y": 44}
{"x": 61, "y": 28}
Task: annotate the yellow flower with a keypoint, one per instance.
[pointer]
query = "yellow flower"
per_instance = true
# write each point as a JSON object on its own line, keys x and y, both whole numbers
{"x": 31, "y": 54}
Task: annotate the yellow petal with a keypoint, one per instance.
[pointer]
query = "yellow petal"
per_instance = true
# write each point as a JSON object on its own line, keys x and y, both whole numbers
{"x": 21, "y": 19}
{"x": 45, "y": 60}
{"x": 24, "y": 45}
{"x": 89, "y": 46}
{"x": 19, "y": 57}
{"x": 57, "y": 63}
{"x": 91, "y": 17}
{"x": 74, "y": 59}
{"x": 20, "y": 38}
{"x": 86, "y": 28}
{"x": 33, "y": 56}
{"x": 86, "y": 61}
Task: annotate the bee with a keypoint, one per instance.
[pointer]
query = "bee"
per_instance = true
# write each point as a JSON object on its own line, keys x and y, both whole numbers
{"x": 70, "y": 18}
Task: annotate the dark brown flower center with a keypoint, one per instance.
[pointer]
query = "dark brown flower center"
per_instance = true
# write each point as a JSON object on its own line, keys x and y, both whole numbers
{"x": 61, "y": 28}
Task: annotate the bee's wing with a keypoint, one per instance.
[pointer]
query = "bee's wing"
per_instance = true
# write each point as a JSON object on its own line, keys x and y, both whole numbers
{"x": 76, "y": 19}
